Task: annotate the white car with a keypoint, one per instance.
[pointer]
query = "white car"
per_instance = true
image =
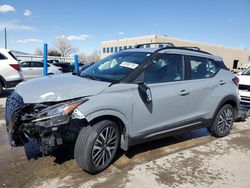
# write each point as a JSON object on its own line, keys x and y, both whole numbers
{"x": 244, "y": 87}
{"x": 10, "y": 71}
{"x": 34, "y": 69}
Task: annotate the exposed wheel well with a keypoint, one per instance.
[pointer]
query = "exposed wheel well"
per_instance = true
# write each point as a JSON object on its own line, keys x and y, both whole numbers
{"x": 233, "y": 104}
{"x": 115, "y": 119}
{"x": 124, "y": 138}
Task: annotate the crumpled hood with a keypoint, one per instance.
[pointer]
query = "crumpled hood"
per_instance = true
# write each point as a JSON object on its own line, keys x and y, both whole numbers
{"x": 244, "y": 79}
{"x": 58, "y": 88}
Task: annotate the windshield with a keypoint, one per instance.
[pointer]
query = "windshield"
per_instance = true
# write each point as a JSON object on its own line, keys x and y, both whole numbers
{"x": 115, "y": 67}
{"x": 246, "y": 72}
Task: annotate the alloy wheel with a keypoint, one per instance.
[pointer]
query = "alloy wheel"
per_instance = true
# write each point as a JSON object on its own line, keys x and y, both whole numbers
{"x": 225, "y": 121}
{"x": 105, "y": 146}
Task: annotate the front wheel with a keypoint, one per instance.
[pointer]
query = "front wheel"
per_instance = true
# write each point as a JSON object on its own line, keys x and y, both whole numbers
{"x": 96, "y": 146}
{"x": 223, "y": 121}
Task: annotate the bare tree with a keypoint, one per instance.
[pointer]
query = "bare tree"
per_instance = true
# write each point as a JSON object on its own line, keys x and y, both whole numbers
{"x": 64, "y": 47}
{"x": 82, "y": 57}
{"x": 94, "y": 57}
{"x": 53, "y": 52}
{"x": 38, "y": 51}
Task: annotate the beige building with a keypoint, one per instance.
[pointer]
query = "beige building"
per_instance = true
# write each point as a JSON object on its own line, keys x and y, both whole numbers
{"x": 234, "y": 58}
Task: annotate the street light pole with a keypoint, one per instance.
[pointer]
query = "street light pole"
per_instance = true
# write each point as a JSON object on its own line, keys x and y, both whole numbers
{"x": 5, "y": 37}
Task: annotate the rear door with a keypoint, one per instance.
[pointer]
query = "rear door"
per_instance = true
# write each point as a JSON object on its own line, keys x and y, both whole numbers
{"x": 26, "y": 70}
{"x": 169, "y": 107}
{"x": 203, "y": 84}
{"x": 38, "y": 69}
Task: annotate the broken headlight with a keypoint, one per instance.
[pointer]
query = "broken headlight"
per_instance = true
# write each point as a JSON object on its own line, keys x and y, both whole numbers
{"x": 58, "y": 114}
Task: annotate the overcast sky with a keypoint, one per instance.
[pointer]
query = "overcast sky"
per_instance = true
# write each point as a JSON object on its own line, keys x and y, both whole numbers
{"x": 86, "y": 23}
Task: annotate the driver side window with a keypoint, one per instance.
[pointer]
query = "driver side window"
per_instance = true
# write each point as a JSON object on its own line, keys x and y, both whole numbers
{"x": 165, "y": 68}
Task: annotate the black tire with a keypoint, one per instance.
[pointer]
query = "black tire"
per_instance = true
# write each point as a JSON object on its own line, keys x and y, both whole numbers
{"x": 223, "y": 121}
{"x": 1, "y": 88}
{"x": 91, "y": 149}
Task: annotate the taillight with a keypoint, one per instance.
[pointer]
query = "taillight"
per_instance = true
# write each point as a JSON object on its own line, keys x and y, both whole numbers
{"x": 236, "y": 80}
{"x": 15, "y": 66}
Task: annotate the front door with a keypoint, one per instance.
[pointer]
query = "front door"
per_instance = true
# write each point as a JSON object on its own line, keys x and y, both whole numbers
{"x": 165, "y": 77}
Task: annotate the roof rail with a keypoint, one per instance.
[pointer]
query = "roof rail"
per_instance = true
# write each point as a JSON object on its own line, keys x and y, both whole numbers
{"x": 172, "y": 46}
{"x": 191, "y": 47}
{"x": 184, "y": 48}
{"x": 166, "y": 43}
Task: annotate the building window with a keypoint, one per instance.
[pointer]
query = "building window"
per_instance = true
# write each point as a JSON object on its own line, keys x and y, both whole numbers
{"x": 161, "y": 45}
{"x": 147, "y": 45}
{"x": 107, "y": 50}
{"x": 130, "y": 46}
{"x": 235, "y": 64}
{"x": 104, "y": 50}
{"x": 111, "y": 50}
{"x": 125, "y": 47}
{"x": 116, "y": 49}
{"x": 120, "y": 48}
{"x": 249, "y": 59}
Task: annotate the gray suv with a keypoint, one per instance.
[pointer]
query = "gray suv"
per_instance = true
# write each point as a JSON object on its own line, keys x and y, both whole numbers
{"x": 127, "y": 98}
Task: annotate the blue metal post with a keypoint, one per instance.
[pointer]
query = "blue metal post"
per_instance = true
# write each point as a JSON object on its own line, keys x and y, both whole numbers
{"x": 45, "y": 56}
{"x": 76, "y": 64}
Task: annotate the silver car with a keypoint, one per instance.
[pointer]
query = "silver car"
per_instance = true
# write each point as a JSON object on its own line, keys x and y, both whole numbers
{"x": 34, "y": 69}
{"x": 130, "y": 97}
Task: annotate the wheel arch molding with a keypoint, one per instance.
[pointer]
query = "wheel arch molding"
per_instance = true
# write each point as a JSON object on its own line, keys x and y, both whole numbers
{"x": 118, "y": 117}
{"x": 230, "y": 99}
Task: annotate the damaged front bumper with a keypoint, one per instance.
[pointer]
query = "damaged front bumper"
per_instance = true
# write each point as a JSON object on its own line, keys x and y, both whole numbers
{"x": 52, "y": 125}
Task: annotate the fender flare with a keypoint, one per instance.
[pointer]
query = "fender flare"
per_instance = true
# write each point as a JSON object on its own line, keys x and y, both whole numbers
{"x": 225, "y": 100}
{"x": 125, "y": 137}
{"x": 108, "y": 112}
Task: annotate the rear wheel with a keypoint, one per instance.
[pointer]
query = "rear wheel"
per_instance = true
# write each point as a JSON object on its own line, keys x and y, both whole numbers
{"x": 96, "y": 146}
{"x": 223, "y": 121}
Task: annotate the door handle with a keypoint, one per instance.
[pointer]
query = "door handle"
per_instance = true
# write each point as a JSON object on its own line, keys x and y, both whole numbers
{"x": 183, "y": 92}
{"x": 222, "y": 82}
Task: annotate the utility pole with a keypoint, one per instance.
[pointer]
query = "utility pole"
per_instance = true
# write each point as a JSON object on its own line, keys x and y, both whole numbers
{"x": 5, "y": 37}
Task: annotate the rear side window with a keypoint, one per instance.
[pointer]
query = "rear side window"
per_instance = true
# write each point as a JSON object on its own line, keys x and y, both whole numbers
{"x": 202, "y": 67}
{"x": 2, "y": 57}
{"x": 39, "y": 64}
{"x": 25, "y": 64}
{"x": 221, "y": 65}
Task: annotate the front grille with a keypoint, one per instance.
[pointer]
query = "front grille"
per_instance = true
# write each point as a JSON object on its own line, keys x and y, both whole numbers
{"x": 245, "y": 98}
{"x": 13, "y": 102}
{"x": 244, "y": 87}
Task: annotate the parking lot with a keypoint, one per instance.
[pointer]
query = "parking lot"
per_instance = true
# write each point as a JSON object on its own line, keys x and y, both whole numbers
{"x": 189, "y": 160}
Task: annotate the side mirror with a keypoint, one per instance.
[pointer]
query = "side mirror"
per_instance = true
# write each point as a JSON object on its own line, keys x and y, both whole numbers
{"x": 145, "y": 92}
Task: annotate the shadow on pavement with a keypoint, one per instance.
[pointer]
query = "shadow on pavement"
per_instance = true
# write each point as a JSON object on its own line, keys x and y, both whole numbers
{"x": 67, "y": 153}
{"x": 156, "y": 144}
